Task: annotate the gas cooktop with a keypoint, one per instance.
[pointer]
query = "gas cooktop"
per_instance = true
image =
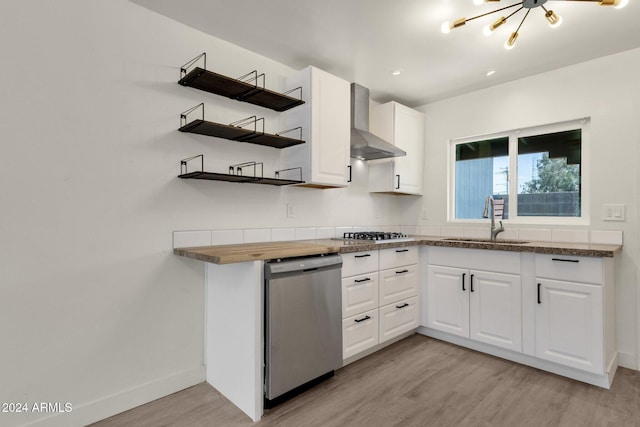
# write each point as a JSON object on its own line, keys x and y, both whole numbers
{"x": 376, "y": 236}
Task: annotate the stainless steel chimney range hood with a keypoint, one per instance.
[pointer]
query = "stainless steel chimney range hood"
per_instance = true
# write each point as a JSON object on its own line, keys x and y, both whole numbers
{"x": 364, "y": 144}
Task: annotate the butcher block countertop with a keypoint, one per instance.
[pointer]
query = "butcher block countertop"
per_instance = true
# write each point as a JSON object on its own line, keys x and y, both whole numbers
{"x": 228, "y": 254}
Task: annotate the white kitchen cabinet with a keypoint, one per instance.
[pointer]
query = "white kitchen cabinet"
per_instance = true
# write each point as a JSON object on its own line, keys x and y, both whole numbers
{"x": 325, "y": 121}
{"x": 359, "y": 302}
{"x": 552, "y": 312}
{"x": 378, "y": 305}
{"x": 398, "y": 292}
{"x": 359, "y": 333}
{"x": 398, "y": 318}
{"x": 404, "y": 128}
{"x": 447, "y": 303}
{"x": 495, "y": 309}
{"x": 569, "y": 324}
{"x": 359, "y": 294}
{"x": 484, "y": 306}
{"x": 574, "y": 318}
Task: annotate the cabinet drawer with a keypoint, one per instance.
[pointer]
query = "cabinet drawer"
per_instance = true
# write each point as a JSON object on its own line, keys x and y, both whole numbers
{"x": 397, "y": 257}
{"x": 571, "y": 268}
{"x": 359, "y": 293}
{"x": 359, "y": 333}
{"x": 398, "y": 318}
{"x": 357, "y": 263}
{"x": 398, "y": 283}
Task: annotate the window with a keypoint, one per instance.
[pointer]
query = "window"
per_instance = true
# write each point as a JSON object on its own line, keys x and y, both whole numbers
{"x": 538, "y": 172}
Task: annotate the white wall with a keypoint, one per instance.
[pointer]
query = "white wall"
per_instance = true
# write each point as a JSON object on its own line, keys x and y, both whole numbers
{"x": 608, "y": 91}
{"x": 95, "y": 310}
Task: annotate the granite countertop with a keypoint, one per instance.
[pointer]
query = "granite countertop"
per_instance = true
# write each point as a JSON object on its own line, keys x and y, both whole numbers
{"x": 228, "y": 254}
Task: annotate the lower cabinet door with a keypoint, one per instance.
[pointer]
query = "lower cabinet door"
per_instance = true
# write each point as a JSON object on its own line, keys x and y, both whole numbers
{"x": 495, "y": 309}
{"x": 398, "y": 318}
{"x": 448, "y": 300}
{"x": 359, "y": 293}
{"x": 398, "y": 284}
{"x": 569, "y": 319}
{"x": 359, "y": 333}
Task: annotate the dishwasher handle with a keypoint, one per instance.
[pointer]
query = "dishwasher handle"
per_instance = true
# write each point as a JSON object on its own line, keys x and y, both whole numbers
{"x": 297, "y": 266}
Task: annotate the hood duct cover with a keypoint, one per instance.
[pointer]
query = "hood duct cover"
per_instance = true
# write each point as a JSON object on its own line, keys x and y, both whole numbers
{"x": 364, "y": 144}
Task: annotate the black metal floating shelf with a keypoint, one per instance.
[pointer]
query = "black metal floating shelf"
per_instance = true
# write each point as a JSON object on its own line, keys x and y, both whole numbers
{"x": 211, "y": 176}
{"x": 234, "y": 133}
{"x": 237, "y": 175}
{"x": 218, "y": 84}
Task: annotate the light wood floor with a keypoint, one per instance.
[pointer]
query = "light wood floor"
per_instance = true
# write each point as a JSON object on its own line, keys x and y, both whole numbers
{"x": 418, "y": 381}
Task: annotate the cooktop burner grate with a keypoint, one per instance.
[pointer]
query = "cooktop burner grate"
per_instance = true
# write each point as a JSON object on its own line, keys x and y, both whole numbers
{"x": 374, "y": 235}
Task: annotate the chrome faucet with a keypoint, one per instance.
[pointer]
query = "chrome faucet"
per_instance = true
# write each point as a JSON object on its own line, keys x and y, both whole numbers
{"x": 494, "y": 231}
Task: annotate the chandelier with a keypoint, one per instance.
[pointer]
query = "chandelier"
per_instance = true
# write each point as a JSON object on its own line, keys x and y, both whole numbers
{"x": 552, "y": 17}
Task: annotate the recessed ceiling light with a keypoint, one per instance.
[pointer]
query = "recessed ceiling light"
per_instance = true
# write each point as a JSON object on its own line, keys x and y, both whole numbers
{"x": 396, "y": 72}
{"x": 491, "y": 73}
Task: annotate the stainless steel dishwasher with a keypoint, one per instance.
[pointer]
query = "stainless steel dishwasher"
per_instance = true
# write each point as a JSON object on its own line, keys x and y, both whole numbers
{"x": 303, "y": 324}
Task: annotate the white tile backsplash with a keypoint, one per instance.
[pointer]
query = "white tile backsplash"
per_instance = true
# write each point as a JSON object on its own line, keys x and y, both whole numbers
{"x": 227, "y": 237}
{"x": 196, "y": 238}
{"x": 451, "y": 231}
{"x": 283, "y": 234}
{"x": 606, "y": 237}
{"x": 341, "y": 230}
{"x": 535, "y": 234}
{"x": 254, "y": 235}
{"x": 573, "y": 236}
{"x": 429, "y": 230}
{"x": 410, "y": 230}
{"x": 306, "y": 233}
{"x": 477, "y": 232}
{"x": 325, "y": 232}
{"x": 190, "y": 239}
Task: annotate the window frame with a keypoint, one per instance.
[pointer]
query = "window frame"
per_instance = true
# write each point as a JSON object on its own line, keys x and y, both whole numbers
{"x": 585, "y": 186}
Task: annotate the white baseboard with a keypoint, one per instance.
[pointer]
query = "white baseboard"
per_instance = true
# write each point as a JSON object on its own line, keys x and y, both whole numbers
{"x": 603, "y": 381}
{"x": 90, "y": 412}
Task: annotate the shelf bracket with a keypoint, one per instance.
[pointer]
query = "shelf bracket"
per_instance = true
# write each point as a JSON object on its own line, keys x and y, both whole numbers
{"x": 299, "y": 169}
{"x": 184, "y": 69}
{"x": 237, "y": 169}
{"x": 299, "y": 128}
{"x": 183, "y": 115}
{"x": 248, "y": 121}
{"x": 293, "y": 90}
{"x": 183, "y": 163}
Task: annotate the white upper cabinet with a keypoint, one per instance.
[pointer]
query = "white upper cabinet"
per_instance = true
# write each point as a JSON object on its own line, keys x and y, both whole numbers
{"x": 404, "y": 128}
{"x": 325, "y": 120}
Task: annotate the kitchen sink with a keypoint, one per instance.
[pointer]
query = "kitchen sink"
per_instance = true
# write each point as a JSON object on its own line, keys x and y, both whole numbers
{"x": 499, "y": 241}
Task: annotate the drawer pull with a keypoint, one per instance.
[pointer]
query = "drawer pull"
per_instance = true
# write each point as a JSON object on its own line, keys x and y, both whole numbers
{"x": 402, "y": 271}
{"x": 471, "y": 287}
{"x": 362, "y": 256}
{"x": 565, "y": 260}
{"x": 402, "y": 305}
{"x": 539, "y": 300}
{"x": 366, "y": 279}
{"x": 363, "y": 319}
{"x": 463, "y": 274}
{"x": 402, "y": 250}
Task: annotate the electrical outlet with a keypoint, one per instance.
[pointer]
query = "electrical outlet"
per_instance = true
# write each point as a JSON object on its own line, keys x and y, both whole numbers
{"x": 614, "y": 212}
{"x": 424, "y": 214}
{"x": 291, "y": 212}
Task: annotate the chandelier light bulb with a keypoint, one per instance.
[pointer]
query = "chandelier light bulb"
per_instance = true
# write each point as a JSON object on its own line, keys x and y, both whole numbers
{"x": 511, "y": 42}
{"x": 619, "y": 4}
{"x": 487, "y": 30}
{"x": 554, "y": 20}
{"x": 478, "y": 2}
{"x": 446, "y": 27}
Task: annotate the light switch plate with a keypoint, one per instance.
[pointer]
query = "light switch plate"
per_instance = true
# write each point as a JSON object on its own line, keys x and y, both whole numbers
{"x": 613, "y": 212}
{"x": 291, "y": 212}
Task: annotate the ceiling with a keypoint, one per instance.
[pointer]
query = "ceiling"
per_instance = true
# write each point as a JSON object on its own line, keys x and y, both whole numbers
{"x": 363, "y": 41}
